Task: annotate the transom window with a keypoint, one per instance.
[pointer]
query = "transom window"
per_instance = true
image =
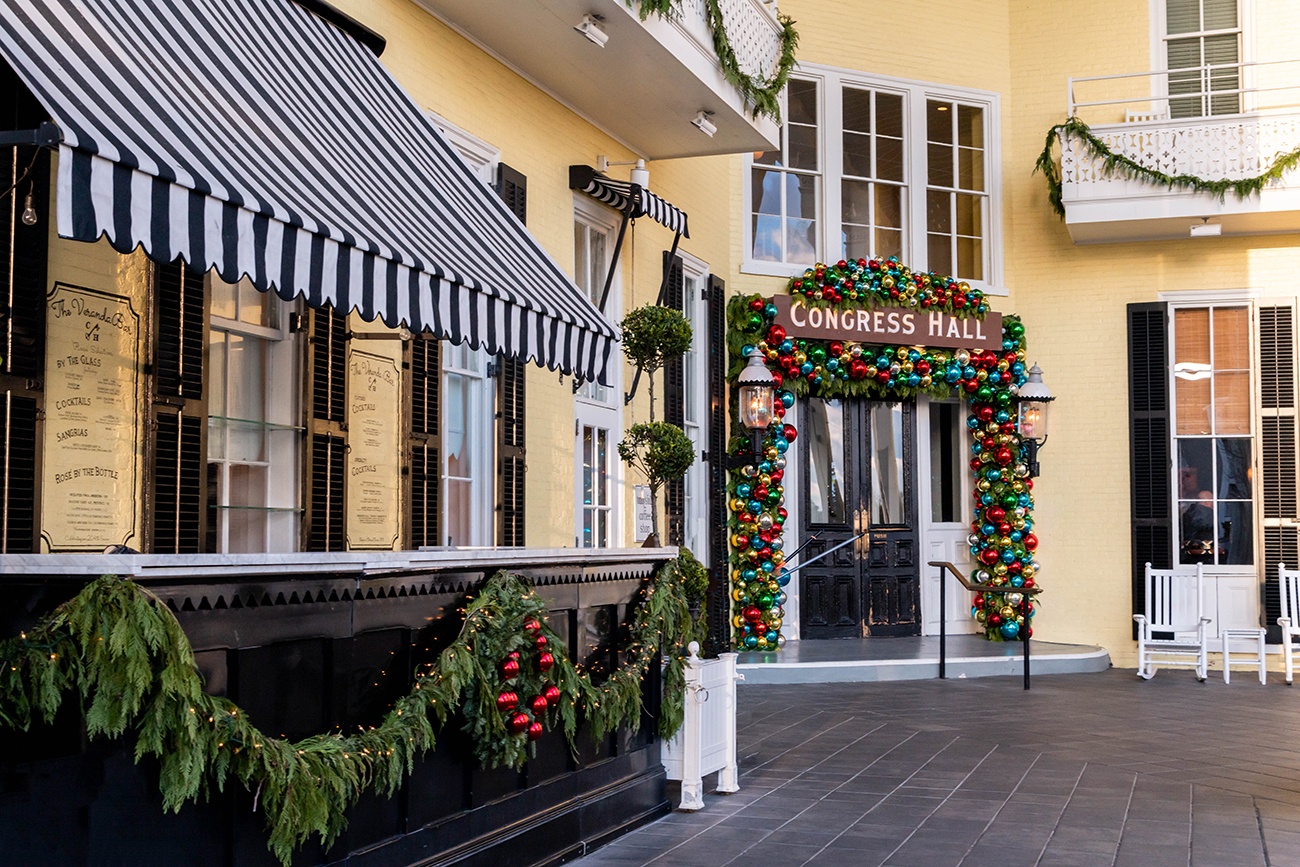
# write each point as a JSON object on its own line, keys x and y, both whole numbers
{"x": 1213, "y": 441}
{"x": 877, "y": 168}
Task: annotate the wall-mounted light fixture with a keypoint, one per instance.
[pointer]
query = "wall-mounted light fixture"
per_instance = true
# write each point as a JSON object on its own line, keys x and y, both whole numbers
{"x": 1206, "y": 229}
{"x": 703, "y": 121}
{"x": 1034, "y": 399}
{"x": 590, "y": 27}
{"x": 757, "y": 399}
{"x": 640, "y": 175}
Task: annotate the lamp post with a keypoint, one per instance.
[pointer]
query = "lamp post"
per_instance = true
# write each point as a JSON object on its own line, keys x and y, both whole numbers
{"x": 757, "y": 394}
{"x": 1034, "y": 399}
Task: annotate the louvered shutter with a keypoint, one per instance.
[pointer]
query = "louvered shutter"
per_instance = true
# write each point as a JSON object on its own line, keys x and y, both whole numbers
{"x": 178, "y": 502}
{"x": 1149, "y": 446}
{"x": 512, "y": 186}
{"x": 327, "y": 447}
{"x": 675, "y": 399}
{"x": 1278, "y": 440}
{"x": 424, "y": 442}
{"x": 24, "y": 257}
{"x": 719, "y": 601}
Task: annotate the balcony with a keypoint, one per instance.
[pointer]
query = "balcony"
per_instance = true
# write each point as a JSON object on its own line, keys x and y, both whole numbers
{"x": 648, "y": 81}
{"x": 1231, "y": 122}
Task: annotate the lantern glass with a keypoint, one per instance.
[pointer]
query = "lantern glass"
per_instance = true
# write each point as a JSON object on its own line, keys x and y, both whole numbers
{"x": 756, "y": 406}
{"x": 1033, "y": 419}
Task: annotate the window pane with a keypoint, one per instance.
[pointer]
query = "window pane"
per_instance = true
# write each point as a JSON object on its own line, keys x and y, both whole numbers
{"x": 1220, "y": 14}
{"x": 938, "y": 212}
{"x": 456, "y": 440}
{"x": 1232, "y": 403}
{"x": 889, "y": 206}
{"x": 1233, "y": 456}
{"x": 1231, "y": 338}
{"x": 855, "y": 242}
{"x": 217, "y": 373}
{"x": 889, "y": 114}
{"x": 1192, "y": 404}
{"x": 857, "y": 154}
{"x": 1195, "y": 469}
{"x": 801, "y": 101}
{"x": 458, "y": 512}
{"x": 970, "y": 215}
{"x": 1236, "y": 534}
{"x": 946, "y": 469}
{"x": 889, "y": 243}
{"x": 939, "y": 163}
{"x": 889, "y": 159}
{"x": 939, "y": 251}
{"x": 970, "y": 259}
{"x": 857, "y": 110}
{"x": 970, "y": 165}
{"x": 223, "y": 298}
{"x": 803, "y": 147}
{"x": 602, "y": 467}
{"x": 938, "y": 122}
{"x": 1196, "y": 530}
{"x": 887, "y": 495}
{"x": 773, "y": 158}
{"x": 1183, "y": 16}
{"x": 1192, "y": 346}
{"x": 970, "y": 126}
{"x": 855, "y": 202}
{"x": 765, "y": 187}
{"x": 253, "y": 308}
{"x": 826, "y": 462}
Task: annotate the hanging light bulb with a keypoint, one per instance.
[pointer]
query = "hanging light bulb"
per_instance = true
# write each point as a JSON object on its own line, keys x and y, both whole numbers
{"x": 29, "y": 213}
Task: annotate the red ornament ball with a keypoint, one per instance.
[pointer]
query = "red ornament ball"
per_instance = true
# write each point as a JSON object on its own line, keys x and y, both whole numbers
{"x": 552, "y": 693}
{"x": 518, "y": 723}
{"x": 535, "y": 731}
{"x": 538, "y": 705}
{"x": 510, "y": 669}
{"x": 756, "y": 304}
{"x": 541, "y": 641}
{"x": 507, "y": 701}
{"x": 789, "y": 432}
{"x": 532, "y": 626}
{"x": 545, "y": 661}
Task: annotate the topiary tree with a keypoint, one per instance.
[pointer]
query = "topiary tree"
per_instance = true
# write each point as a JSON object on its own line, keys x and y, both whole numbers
{"x": 662, "y": 452}
{"x": 652, "y": 337}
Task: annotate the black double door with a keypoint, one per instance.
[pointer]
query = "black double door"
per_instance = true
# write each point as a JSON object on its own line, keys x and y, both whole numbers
{"x": 859, "y": 474}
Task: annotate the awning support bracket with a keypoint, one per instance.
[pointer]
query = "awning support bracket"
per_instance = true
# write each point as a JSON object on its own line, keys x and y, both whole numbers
{"x": 46, "y": 135}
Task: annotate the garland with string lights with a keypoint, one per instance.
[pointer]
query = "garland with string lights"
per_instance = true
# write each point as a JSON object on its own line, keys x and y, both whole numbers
{"x": 122, "y": 651}
{"x": 763, "y": 94}
{"x": 1002, "y": 542}
{"x": 1126, "y": 167}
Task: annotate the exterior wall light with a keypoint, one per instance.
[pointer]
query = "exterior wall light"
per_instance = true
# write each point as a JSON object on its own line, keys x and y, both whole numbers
{"x": 1035, "y": 398}
{"x": 703, "y": 121}
{"x": 590, "y": 28}
{"x": 757, "y": 394}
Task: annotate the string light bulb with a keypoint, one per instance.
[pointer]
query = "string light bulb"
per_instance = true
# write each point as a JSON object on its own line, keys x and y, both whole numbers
{"x": 29, "y": 212}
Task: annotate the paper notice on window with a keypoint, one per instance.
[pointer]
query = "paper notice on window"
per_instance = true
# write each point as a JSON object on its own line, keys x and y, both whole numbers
{"x": 92, "y": 368}
{"x": 374, "y": 486}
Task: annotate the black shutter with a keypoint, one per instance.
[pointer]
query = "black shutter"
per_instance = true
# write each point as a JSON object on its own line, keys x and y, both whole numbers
{"x": 1277, "y": 360}
{"x": 719, "y": 599}
{"x": 675, "y": 399}
{"x": 327, "y": 450}
{"x": 424, "y": 440}
{"x": 512, "y": 186}
{"x": 24, "y": 255}
{"x": 1149, "y": 443}
{"x": 178, "y": 498}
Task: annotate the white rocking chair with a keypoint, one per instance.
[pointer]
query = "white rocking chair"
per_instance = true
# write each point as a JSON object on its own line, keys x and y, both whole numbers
{"x": 1175, "y": 613}
{"x": 1288, "y": 591}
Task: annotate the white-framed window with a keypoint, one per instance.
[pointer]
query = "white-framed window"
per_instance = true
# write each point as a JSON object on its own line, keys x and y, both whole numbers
{"x": 597, "y": 409}
{"x": 254, "y": 429}
{"x": 695, "y": 410}
{"x": 875, "y": 166}
{"x": 1201, "y": 48}
{"x": 468, "y": 446}
{"x": 1213, "y": 434}
{"x": 468, "y": 393}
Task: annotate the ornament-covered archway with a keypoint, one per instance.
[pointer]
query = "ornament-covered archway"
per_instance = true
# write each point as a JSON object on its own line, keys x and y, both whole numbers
{"x": 879, "y": 363}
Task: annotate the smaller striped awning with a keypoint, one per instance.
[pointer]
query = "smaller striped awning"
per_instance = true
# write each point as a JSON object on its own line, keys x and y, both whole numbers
{"x": 259, "y": 139}
{"x": 628, "y": 198}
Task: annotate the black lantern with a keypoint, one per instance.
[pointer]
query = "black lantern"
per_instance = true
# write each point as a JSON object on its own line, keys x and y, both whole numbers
{"x": 1034, "y": 399}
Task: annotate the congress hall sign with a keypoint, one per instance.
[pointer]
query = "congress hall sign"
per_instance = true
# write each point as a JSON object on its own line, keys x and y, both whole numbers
{"x": 892, "y": 325}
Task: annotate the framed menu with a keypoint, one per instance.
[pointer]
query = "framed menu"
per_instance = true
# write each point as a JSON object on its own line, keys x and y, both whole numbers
{"x": 92, "y": 419}
{"x": 374, "y": 450}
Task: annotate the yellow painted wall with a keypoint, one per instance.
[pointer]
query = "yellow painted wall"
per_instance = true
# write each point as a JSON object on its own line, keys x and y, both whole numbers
{"x": 540, "y": 137}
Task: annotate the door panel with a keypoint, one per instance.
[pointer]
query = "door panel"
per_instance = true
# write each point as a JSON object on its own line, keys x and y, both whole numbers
{"x": 859, "y": 471}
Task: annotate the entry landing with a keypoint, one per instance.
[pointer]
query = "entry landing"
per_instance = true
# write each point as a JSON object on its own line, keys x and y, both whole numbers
{"x": 915, "y": 658}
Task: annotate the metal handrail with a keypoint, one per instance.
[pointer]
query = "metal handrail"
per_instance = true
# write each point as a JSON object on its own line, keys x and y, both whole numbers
{"x": 1204, "y": 72}
{"x": 944, "y": 568}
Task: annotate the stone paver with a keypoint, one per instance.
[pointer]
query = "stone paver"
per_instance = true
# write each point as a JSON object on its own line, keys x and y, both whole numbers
{"x": 1083, "y": 770}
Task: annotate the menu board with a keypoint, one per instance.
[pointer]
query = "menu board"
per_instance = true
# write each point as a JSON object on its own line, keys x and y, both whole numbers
{"x": 92, "y": 366}
{"x": 374, "y": 449}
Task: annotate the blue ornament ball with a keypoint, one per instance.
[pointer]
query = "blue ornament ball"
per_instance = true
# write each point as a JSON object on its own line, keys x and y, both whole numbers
{"x": 1009, "y": 629}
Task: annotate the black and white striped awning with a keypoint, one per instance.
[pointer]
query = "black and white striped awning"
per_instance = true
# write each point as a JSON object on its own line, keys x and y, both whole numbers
{"x": 623, "y": 195}
{"x": 256, "y": 138}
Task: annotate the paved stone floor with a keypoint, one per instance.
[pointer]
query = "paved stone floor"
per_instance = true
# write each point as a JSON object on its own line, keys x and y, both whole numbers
{"x": 1082, "y": 770}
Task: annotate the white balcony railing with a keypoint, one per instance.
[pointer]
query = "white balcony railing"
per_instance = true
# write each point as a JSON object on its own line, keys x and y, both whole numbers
{"x": 1224, "y": 122}
{"x": 751, "y": 26}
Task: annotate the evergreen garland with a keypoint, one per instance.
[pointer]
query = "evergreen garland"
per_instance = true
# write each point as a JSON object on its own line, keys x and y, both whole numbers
{"x": 765, "y": 96}
{"x": 124, "y": 653}
{"x": 1126, "y": 167}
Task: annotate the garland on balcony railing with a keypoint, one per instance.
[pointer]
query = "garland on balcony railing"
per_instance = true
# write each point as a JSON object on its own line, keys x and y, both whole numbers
{"x": 507, "y": 673}
{"x": 1126, "y": 167}
{"x": 765, "y": 96}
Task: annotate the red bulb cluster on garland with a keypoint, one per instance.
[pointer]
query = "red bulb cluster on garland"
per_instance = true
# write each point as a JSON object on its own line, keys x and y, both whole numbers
{"x": 525, "y": 718}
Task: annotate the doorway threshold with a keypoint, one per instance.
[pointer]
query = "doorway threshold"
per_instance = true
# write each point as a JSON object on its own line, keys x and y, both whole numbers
{"x": 868, "y": 660}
